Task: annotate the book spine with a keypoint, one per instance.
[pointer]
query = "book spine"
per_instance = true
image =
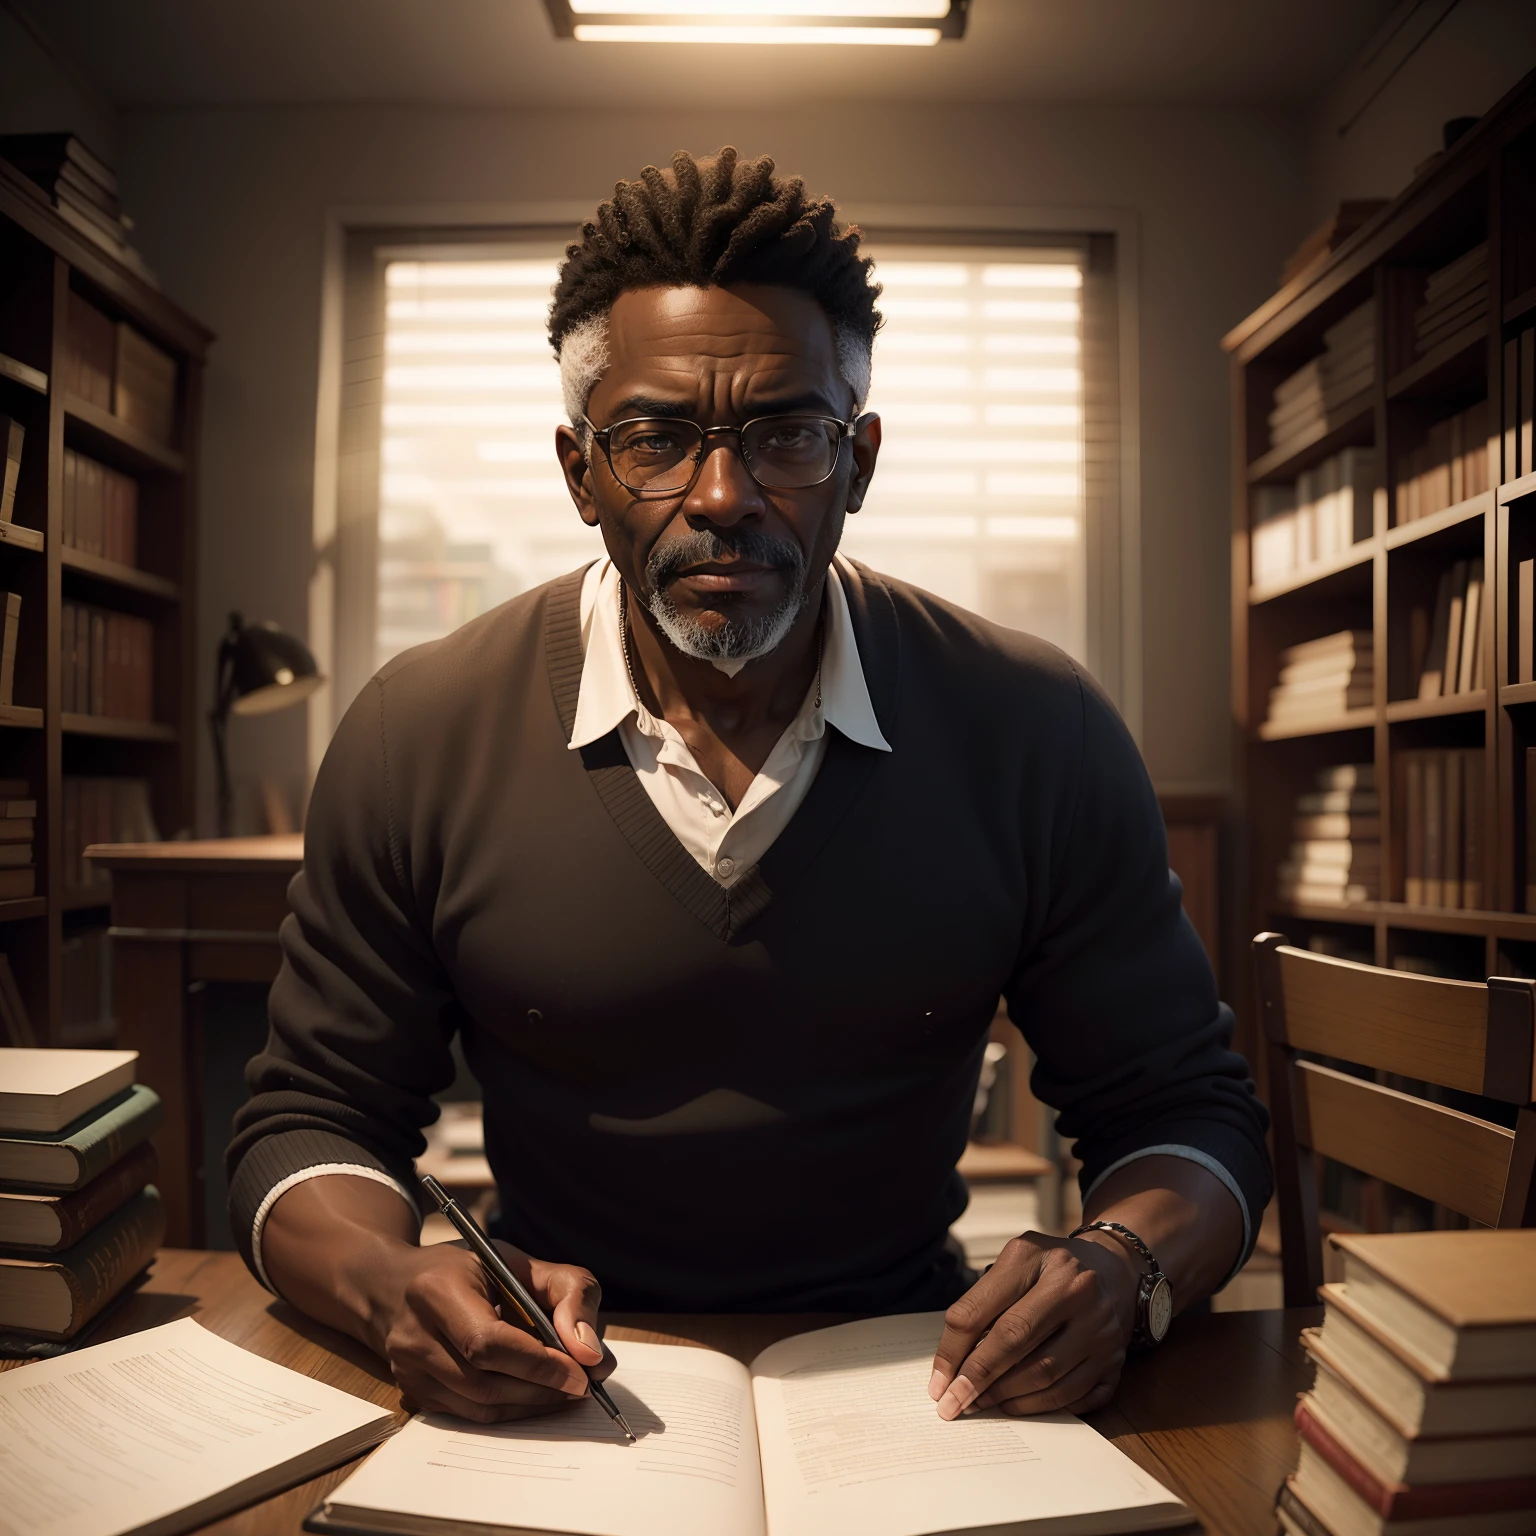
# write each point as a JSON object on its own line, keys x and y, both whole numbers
{"x": 1525, "y": 660}
{"x": 98, "y": 1268}
{"x": 1413, "y": 828}
{"x": 1472, "y": 788}
{"x": 87, "y": 1208}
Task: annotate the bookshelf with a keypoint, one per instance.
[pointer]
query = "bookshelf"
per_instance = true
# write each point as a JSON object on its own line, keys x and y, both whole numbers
{"x": 1482, "y": 191}
{"x": 43, "y": 262}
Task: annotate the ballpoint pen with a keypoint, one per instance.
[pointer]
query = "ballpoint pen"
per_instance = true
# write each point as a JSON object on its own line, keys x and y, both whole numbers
{"x": 515, "y": 1292}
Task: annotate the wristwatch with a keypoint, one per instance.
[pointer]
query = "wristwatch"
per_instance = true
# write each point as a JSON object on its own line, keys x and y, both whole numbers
{"x": 1154, "y": 1297}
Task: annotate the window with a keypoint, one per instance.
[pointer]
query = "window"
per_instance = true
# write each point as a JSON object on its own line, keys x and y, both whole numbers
{"x": 978, "y": 379}
{"x": 996, "y": 375}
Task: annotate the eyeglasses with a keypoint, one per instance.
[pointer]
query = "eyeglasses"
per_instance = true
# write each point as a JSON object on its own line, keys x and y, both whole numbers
{"x": 662, "y": 456}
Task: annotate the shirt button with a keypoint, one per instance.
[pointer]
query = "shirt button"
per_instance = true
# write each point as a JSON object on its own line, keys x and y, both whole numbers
{"x": 725, "y": 868}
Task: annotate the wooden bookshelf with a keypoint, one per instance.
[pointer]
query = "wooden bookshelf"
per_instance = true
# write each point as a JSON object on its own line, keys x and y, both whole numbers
{"x": 42, "y": 261}
{"x": 1482, "y": 190}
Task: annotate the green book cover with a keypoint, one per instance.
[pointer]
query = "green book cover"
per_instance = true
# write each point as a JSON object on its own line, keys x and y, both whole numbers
{"x": 89, "y": 1146}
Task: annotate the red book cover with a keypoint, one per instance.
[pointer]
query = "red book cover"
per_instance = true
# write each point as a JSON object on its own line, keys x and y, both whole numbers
{"x": 1403, "y": 1501}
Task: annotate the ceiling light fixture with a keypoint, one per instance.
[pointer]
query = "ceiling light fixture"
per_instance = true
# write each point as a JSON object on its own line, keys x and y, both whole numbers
{"x": 898, "y": 23}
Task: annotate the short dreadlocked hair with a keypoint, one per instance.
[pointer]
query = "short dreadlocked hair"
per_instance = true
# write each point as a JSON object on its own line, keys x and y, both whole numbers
{"x": 709, "y": 224}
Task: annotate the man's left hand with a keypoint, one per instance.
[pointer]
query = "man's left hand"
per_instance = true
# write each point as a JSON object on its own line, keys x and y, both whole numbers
{"x": 1045, "y": 1330}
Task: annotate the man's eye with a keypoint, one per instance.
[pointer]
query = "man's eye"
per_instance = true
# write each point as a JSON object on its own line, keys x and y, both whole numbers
{"x": 652, "y": 442}
{"x": 782, "y": 438}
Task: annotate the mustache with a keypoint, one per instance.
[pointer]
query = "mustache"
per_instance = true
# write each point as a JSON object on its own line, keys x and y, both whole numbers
{"x": 699, "y": 546}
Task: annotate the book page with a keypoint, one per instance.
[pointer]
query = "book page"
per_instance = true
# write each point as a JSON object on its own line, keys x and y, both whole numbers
{"x": 694, "y": 1471}
{"x": 851, "y": 1441}
{"x": 165, "y": 1428}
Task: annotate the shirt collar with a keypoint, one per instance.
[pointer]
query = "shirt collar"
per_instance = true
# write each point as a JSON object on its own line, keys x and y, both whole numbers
{"x": 606, "y": 699}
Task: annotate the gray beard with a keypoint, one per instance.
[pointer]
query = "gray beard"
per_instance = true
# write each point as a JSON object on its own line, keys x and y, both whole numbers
{"x": 734, "y": 643}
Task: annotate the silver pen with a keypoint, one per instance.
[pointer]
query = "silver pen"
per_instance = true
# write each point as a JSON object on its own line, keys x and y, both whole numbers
{"x": 516, "y": 1293}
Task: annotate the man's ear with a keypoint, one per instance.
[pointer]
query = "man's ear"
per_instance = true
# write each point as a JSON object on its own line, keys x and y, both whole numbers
{"x": 866, "y": 449}
{"x": 577, "y": 469}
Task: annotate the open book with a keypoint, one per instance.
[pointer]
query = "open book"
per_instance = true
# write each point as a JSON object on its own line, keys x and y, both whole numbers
{"x": 827, "y": 1433}
{"x": 162, "y": 1431}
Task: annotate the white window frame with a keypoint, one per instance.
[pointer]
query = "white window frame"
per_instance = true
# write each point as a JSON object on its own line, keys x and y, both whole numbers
{"x": 347, "y": 428}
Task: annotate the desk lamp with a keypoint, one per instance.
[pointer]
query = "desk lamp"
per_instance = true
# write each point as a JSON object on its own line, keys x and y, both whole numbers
{"x": 261, "y": 668}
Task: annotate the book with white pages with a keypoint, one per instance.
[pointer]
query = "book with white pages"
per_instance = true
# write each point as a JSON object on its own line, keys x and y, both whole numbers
{"x": 163, "y": 1431}
{"x": 825, "y": 1433}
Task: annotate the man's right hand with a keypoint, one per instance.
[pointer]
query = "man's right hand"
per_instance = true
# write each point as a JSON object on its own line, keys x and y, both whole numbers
{"x": 342, "y": 1249}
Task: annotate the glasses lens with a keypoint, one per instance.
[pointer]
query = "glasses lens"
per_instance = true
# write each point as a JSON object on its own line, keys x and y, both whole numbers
{"x": 791, "y": 452}
{"x": 654, "y": 455}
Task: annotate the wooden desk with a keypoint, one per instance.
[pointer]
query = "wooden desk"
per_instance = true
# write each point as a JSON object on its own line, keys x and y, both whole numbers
{"x": 1208, "y": 1414}
{"x": 184, "y": 913}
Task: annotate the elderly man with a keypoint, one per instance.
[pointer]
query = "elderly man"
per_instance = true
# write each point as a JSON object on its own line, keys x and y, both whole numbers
{"x": 717, "y": 855}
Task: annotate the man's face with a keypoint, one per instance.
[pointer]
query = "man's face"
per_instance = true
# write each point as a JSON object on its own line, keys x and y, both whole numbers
{"x": 727, "y": 556}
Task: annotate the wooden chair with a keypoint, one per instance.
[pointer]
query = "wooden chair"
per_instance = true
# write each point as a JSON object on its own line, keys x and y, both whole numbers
{"x": 1473, "y": 1036}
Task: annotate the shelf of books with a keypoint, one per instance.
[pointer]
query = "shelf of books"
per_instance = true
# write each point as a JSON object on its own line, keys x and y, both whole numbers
{"x": 100, "y": 379}
{"x": 1384, "y": 590}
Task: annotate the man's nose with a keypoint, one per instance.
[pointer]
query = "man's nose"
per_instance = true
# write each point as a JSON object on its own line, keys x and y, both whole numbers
{"x": 725, "y": 491}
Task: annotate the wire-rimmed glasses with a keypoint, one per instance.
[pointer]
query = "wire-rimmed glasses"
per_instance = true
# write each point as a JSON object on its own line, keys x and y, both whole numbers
{"x": 662, "y": 455}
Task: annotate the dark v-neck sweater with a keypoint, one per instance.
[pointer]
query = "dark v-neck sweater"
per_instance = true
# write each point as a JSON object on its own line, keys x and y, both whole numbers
{"x": 750, "y": 1099}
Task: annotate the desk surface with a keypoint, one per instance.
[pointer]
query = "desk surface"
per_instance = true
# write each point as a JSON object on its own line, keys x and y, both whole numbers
{"x": 283, "y": 850}
{"x": 1209, "y": 1414}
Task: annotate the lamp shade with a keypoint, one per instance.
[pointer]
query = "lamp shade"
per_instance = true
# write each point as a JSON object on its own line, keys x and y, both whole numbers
{"x": 269, "y": 669}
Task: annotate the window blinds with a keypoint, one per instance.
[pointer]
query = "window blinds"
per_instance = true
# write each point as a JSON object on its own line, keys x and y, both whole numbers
{"x": 977, "y": 377}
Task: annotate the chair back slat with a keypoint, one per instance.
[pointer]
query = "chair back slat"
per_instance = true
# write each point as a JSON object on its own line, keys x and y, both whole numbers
{"x": 1441, "y": 1154}
{"x": 1417, "y": 1026}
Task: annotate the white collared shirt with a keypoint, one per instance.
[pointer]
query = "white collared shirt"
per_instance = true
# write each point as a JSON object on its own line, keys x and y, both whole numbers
{"x": 725, "y": 843}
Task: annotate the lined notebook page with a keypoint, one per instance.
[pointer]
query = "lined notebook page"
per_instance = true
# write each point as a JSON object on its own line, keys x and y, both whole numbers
{"x": 694, "y": 1471}
{"x": 171, "y": 1427}
{"x": 851, "y": 1441}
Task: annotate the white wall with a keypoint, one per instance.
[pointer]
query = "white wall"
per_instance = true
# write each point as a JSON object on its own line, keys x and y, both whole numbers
{"x": 1383, "y": 116}
{"x": 41, "y": 91}
{"x": 232, "y": 208}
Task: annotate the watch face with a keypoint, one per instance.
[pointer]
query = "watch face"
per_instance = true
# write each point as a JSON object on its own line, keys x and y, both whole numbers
{"x": 1159, "y": 1309}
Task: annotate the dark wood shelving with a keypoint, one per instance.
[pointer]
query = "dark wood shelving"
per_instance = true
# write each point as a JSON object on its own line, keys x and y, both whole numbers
{"x": 1287, "y": 730}
{"x": 1349, "y": 427}
{"x": 1463, "y": 199}
{"x": 19, "y": 536}
{"x": 1514, "y": 490}
{"x": 1359, "y": 912}
{"x": 1520, "y": 306}
{"x": 113, "y": 573}
{"x": 117, "y": 730}
{"x": 1450, "y": 368}
{"x": 1357, "y": 554}
{"x": 1426, "y": 527}
{"x": 49, "y": 268}
{"x": 19, "y": 372}
{"x": 115, "y": 441}
{"x": 1433, "y": 709}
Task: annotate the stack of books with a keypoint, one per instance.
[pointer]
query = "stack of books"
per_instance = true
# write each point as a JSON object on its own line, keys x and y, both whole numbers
{"x": 102, "y": 811}
{"x": 1443, "y": 854}
{"x": 1321, "y": 679}
{"x": 1450, "y": 465}
{"x": 82, "y": 187}
{"x": 101, "y": 509}
{"x": 80, "y": 1217}
{"x": 1326, "y": 511}
{"x": 109, "y": 663}
{"x": 1455, "y": 297}
{"x": 1422, "y": 1419}
{"x": 1335, "y": 852}
{"x": 1345, "y": 369}
{"x": 112, "y": 366}
{"x": 18, "y": 821}
{"x": 1447, "y": 650}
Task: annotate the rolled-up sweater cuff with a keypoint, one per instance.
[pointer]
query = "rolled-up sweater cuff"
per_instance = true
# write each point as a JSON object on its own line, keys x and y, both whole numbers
{"x": 276, "y": 1163}
{"x": 1229, "y": 1156}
